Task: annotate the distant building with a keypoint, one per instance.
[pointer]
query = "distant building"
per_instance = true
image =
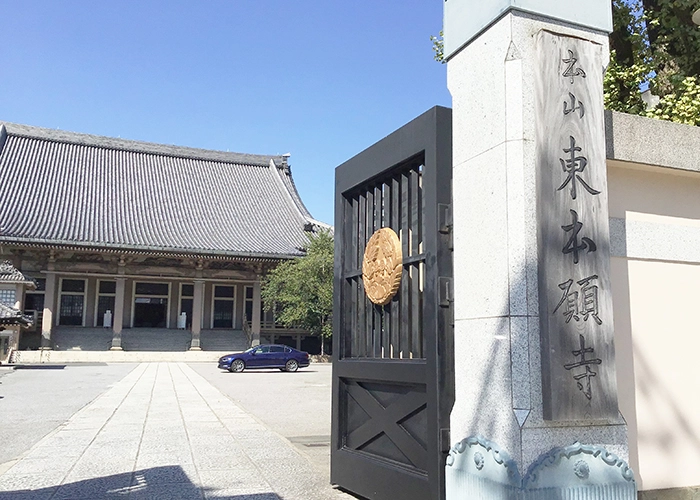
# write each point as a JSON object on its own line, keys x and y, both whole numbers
{"x": 124, "y": 236}
{"x": 12, "y": 286}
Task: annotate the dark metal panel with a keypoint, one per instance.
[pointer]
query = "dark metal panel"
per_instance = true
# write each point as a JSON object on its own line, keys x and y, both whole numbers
{"x": 388, "y": 172}
{"x": 408, "y": 371}
{"x": 437, "y": 318}
{"x": 376, "y": 480}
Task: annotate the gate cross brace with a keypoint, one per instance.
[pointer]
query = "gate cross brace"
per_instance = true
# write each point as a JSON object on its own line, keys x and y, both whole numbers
{"x": 387, "y": 420}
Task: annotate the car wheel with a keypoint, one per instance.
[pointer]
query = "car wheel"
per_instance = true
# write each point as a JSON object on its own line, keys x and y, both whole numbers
{"x": 237, "y": 366}
{"x": 291, "y": 365}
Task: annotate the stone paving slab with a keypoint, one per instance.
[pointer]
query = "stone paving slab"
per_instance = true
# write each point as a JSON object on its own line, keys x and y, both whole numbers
{"x": 163, "y": 431}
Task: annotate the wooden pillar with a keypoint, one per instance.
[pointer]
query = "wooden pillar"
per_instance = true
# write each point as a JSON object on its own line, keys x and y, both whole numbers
{"x": 255, "y": 327}
{"x": 197, "y": 310}
{"x": 49, "y": 307}
{"x": 118, "y": 316}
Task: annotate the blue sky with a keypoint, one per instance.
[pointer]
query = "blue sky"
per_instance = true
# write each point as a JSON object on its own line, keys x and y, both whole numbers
{"x": 321, "y": 80}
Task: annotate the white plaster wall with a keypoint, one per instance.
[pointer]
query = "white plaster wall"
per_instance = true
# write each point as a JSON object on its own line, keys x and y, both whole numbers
{"x": 656, "y": 294}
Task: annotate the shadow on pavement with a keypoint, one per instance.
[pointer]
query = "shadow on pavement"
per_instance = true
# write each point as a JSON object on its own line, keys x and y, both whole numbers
{"x": 43, "y": 366}
{"x": 167, "y": 482}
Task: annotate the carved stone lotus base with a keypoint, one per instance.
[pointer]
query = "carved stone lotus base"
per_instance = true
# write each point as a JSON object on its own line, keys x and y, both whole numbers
{"x": 477, "y": 468}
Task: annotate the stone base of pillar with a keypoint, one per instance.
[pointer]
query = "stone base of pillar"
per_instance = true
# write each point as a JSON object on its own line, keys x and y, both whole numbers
{"x": 46, "y": 343}
{"x": 116, "y": 342}
{"x": 477, "y": 468}
{"x": 195, "y": 345}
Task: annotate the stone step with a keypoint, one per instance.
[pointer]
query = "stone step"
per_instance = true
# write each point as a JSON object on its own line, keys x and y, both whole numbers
{"x": 146, "y": 339}
{"x": 224, "y": 340}
{"x": 63, "y": 357}
{"x": 81, "y": 339}
{"x": 156, "y": 339}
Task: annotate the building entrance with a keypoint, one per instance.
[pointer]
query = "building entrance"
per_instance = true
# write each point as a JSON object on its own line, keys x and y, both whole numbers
{"x": 150, "y": 313}
{"x": 151, "y": 305}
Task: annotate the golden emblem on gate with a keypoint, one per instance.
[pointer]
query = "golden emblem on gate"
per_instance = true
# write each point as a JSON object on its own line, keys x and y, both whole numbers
{"x": 382, "y": 266}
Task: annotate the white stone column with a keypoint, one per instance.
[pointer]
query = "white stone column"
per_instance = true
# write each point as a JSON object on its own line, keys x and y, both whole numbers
{"x": 257, "y": 302}
{"x": 197, "y": 311}
{"x": 49, "y": 308}
{"x": 498, "y": 429}
{"x": 118, "y": 316}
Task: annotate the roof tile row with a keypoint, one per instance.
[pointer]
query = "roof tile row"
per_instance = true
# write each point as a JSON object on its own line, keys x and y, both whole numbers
{"x": 74, "y": 189}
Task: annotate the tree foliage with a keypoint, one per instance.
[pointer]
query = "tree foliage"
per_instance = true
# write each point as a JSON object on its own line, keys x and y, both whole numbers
{"x": 654, "y": 45}
{"x": 438, "y": 47}
{"x": 300, "y": 291}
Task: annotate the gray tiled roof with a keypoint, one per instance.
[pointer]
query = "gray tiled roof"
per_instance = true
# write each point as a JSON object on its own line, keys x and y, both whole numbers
{"x": 64, "y": 188}
{"x": 10, "y": 274}
{"x": 11, "y": 316}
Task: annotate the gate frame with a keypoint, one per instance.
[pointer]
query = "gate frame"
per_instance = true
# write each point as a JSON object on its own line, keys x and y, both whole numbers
{"x": 430, "y": 134}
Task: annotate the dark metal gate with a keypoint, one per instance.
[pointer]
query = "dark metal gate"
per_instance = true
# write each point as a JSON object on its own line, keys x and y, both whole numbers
{"x": 393, "y": 376}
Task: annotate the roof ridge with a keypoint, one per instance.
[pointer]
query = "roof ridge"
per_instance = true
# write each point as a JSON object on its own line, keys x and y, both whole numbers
{"x": 292, "y": 196}
{"x": 99, "y": 141}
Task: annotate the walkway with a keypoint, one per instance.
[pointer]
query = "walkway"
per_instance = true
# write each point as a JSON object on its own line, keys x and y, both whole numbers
{"x": 164, "y": 432}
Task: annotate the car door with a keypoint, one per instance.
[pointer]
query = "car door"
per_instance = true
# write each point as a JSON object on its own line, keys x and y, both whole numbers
{"x": 259, "y": 357}
{"x": 277, "y": 355}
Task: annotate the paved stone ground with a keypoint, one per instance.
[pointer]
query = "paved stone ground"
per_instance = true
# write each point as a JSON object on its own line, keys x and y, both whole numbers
{"x": 33, "y": 402}
{"x": 163, "y": 431}
{"x": 295, "y": 405}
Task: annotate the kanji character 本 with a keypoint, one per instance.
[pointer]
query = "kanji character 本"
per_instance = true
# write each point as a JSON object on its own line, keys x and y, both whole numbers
{"x": 589, "y": 299}
{"x": 571, "y": 300}
{"x": 571, "y": 72}
{"x": 573, "y": 166}
{"x": 573, "y": 105}
{"x": 588, "y": 374}
{"x": 573, "y": 245}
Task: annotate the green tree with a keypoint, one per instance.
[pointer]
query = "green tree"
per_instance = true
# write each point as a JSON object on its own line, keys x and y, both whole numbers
{"x": 300, "y": 291}
{"x": 654, "y": 45}
{"x": 438, "y": 47}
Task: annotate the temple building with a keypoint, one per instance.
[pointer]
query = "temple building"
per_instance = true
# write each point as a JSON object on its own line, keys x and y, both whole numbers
{"x": 12, "y": 287}
{"x": 141, "y": 246}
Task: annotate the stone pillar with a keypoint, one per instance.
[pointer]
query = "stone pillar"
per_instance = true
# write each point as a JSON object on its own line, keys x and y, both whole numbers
{"x": 49, "y": 307}
{"x": 257, "y": 302}
{"x": 507, "y": 443}
{"x": 197, "y": 310}
{"x": 118, "y": 316}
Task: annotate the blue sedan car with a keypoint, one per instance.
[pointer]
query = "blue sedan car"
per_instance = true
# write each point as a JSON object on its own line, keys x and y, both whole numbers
{"x": 265, "y": 356}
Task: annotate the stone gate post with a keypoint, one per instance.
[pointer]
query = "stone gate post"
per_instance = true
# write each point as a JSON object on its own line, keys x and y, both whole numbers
{"x": 535, "y": 412}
